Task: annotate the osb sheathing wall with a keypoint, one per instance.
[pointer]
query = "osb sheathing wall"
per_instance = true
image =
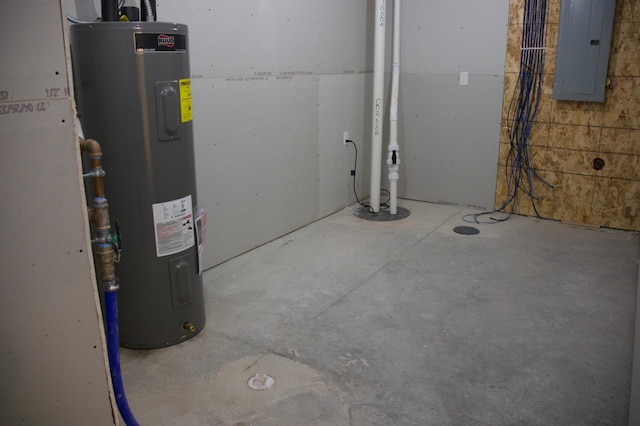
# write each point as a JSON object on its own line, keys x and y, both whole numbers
{"x": 568, "y": 136}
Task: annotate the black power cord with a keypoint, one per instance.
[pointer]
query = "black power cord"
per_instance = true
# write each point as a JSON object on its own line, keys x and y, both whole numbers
{"x": 384, "y": 205}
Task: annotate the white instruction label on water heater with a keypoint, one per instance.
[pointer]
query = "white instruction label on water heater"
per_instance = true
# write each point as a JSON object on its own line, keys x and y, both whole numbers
{"x": 173, "y": 223}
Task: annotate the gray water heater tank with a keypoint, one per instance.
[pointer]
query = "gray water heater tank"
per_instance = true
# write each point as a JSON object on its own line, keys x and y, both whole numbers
{"x": 133, "y": 92}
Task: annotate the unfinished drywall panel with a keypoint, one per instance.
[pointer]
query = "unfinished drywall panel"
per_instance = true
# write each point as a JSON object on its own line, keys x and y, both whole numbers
{"x": 450, "y": 145}
{"x": 265, "y": 73}
{"x": 52, "y": 358}
{"x": 283, "y": 37}
{"x": 634, "y": 399}
{"x": 449, "y": 126}
{"x": 51, "y": 349}
{"x": 445, "y": 37}
{"x": 341, "y": 101}
{"x": 29, "y": 56}
{"x": 256, "y": 159}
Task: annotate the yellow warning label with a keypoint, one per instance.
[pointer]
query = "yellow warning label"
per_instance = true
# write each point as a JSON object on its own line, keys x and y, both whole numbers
{"x": 186, "y": 114}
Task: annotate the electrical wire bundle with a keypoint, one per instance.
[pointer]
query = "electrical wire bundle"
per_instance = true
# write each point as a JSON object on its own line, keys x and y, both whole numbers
{"x": 520, "y": 174}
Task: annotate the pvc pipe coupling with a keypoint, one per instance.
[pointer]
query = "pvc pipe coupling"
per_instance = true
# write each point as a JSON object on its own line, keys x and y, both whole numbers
{"x": 393, "y": 113}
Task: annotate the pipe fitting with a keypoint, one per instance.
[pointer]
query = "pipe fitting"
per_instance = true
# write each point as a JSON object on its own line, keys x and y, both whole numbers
{"x": 393, "y": 159}
{"x": 93, "y": 173}
{"x": 91, "y": 146}
{"x": 94, "y": 150}
{"x": 106, "y": 266}
{"x": 110, "y": 285}
{"x": 99, "y": 217}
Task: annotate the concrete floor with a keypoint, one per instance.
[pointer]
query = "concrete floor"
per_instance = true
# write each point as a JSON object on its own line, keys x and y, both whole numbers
{"x": 529, "y": 322}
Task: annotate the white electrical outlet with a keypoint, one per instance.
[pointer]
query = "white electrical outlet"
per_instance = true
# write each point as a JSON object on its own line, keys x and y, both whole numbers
{"x": 464, "y": 78}
{"x": 345, "y": 137}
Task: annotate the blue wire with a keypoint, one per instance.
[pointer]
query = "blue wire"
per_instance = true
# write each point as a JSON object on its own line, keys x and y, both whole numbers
{"x": 520, "y": 174}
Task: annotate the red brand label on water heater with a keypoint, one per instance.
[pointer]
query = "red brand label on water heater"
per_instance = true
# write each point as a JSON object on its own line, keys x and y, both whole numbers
{"x": 165, "y": 40}
{"x": 154, "y": 42}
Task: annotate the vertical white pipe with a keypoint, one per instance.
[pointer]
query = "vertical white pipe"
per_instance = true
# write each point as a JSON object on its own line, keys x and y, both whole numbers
{"x": 393, "y": 156}
{"x": 378, "y": 102}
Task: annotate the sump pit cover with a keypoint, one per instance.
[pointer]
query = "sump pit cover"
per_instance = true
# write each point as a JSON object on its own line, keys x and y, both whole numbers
{"x": 382, "y": 216}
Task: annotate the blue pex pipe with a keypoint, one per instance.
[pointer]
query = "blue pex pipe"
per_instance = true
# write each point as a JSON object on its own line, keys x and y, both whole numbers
{"x": 113, "y": 350}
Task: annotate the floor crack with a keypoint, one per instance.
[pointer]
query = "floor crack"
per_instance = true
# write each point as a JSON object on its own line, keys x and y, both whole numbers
{"x": 387, "y": 264}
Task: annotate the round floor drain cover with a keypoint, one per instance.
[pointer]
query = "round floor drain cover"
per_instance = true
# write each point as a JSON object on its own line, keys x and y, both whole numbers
{"x": 382, "y": 215}
{"x": 466, "y": 230}
{"x": 261, "y": 382}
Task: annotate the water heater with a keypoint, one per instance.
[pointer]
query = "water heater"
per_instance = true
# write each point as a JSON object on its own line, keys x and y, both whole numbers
{"x": 133, "y": 93}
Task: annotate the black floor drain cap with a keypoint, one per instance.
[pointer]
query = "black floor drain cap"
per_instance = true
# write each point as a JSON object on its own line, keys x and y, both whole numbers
{"x": 466, "y": 230}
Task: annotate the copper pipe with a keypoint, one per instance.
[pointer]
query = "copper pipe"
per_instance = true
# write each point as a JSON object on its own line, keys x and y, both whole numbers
{"x": 100, "y": 216}
{"x": 94, "y": 150}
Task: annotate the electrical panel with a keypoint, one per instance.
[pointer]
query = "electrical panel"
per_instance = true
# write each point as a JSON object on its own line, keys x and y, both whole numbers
{"x": 582, "y": 57}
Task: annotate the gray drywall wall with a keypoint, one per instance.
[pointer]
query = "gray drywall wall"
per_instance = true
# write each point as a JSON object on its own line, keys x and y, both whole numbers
{"x": 52, "y": 357}
{"x": 448, "y": 133}
{"x": 277, "y": 82}
{"x": 275, "y": 85}
{"x": 634, "y": 399}
{"x": 337, "y": 97}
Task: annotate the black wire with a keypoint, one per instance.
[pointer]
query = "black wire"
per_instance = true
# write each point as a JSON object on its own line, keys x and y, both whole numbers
{"x": 523, "y": 108}
{"x": 384, "y": 205}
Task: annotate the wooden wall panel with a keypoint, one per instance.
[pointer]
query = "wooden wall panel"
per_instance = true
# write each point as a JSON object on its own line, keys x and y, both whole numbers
{"x": 568, "y": 136}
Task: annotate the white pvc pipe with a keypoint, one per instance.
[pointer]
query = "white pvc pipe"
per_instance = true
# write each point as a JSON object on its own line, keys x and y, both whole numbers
{"x": 393, "y": 160}
{"x": 378, "y": 103}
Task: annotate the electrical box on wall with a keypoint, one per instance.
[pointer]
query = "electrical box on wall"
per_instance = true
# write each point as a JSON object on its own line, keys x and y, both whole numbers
{"x": 582, "y": 57}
